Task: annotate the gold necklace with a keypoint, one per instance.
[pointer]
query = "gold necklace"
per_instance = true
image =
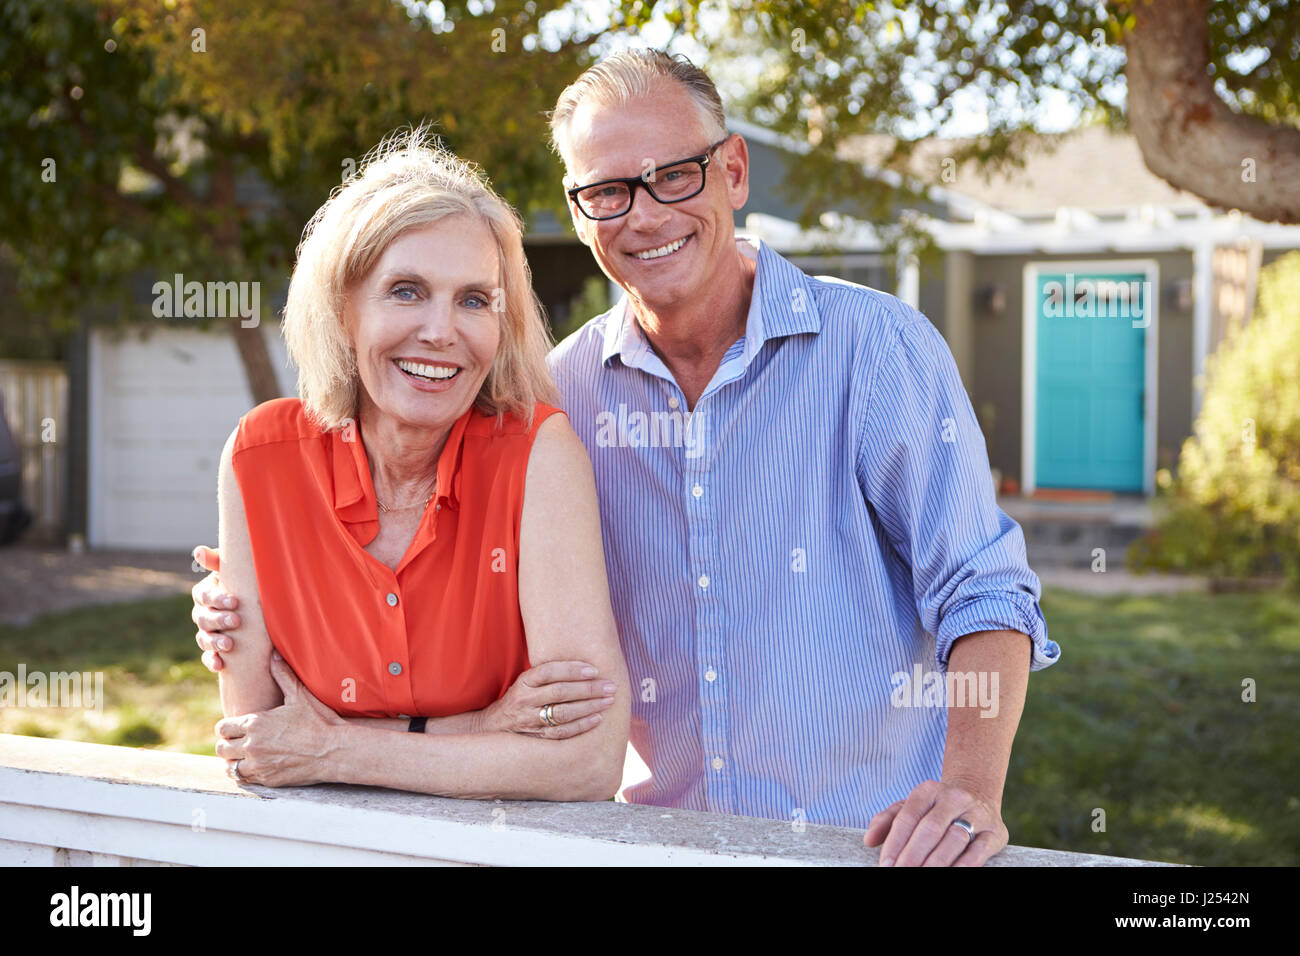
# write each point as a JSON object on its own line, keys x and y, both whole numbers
{"x": 386, "y": 510}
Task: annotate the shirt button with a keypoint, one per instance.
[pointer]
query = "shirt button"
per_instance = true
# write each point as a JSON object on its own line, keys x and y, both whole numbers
{"x": 697, "y": 491}
{"x": 392, "y": 600}
{"x": 717, "y": 763}
{"x": 672, "y": 401}
{"x": 394, "y": 668}
{"x": 703, "y": 581}
{"x": 710, "y": 675}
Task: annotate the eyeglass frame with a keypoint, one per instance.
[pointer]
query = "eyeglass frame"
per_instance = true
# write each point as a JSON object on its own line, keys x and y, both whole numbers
{"x": 633, "y": 182}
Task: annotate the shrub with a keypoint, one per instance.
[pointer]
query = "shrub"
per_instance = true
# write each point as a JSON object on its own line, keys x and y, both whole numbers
{"x": 1233, "y": 510}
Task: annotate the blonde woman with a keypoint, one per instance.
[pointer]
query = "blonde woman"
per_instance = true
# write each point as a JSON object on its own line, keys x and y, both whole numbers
{"x": 414, "y": 541}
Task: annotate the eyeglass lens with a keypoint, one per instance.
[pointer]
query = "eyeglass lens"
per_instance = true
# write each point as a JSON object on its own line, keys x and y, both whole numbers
{"x": 671, "y": 184}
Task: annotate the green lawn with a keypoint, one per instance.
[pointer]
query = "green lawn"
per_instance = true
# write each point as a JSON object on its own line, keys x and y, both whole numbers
{"x": 157, "y": 693}
{"x": 1142, "y": 717}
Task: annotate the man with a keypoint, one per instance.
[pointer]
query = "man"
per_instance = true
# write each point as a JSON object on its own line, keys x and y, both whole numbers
{"x": 803, "y": 545}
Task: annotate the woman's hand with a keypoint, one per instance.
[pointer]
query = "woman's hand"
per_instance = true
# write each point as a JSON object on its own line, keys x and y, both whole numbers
{"x": 288, "y": 746}
{"x": 569, "y": 685}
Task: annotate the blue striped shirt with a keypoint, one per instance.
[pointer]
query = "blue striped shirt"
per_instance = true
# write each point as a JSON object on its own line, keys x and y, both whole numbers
{"x": 790, "y": 562}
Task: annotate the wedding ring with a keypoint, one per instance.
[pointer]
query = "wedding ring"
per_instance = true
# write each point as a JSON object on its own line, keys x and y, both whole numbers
{"x": 547, "y": 715}
{"x": 965, "y": 825}
{"x": 233, "y": 772}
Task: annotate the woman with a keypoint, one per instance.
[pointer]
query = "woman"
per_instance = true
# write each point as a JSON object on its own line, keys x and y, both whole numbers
{"x": 419, "y": 525}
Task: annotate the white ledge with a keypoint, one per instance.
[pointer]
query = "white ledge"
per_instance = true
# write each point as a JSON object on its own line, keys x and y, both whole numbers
{"x": 64, "y": 802}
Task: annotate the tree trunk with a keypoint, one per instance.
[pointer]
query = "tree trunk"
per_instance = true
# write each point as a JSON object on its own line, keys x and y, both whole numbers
{"x": 1188, "y": 135}
{"x": 253, "y": 353}
{"x": 256, "y": 358}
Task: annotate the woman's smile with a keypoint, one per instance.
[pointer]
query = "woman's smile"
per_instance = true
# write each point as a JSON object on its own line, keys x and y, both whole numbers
{"x": 428, "y": 376}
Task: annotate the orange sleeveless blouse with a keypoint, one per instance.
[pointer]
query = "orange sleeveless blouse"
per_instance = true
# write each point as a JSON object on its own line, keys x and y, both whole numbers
{"x": 440, "y": 635}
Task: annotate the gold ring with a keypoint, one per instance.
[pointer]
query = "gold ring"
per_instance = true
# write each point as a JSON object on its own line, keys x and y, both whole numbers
{"x": 548, "y": 715}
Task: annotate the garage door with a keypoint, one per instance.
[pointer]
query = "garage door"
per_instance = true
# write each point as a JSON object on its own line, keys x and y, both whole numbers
{"x": 161, "y": 408}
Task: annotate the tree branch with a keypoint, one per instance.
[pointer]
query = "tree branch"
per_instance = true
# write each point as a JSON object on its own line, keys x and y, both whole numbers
{"x": 1188, "y": 135}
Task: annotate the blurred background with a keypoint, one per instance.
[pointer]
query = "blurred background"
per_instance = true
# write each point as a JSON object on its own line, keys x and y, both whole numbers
{"x": 1025, "y": 173}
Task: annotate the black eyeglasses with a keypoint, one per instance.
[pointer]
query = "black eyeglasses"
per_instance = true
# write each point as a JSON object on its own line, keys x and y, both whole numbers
{"x": 674, "y": 182}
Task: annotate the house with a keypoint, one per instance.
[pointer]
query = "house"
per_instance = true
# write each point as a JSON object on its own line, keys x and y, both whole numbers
{"x": 1076, "y": 295}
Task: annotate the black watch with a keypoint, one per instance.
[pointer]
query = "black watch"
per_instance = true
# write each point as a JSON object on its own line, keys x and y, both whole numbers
{"x": 417, "y": 725}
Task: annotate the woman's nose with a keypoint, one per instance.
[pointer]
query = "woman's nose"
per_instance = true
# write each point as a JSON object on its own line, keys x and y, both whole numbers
{"x": 438, "y": 328}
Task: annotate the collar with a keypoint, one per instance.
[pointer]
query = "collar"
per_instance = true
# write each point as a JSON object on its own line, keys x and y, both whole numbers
{"x": 354, "y": 490}
{"x": 782, "y": 304}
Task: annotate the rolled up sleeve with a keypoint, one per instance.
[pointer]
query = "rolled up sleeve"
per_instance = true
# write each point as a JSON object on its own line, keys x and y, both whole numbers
{"x": 923, "y": 466}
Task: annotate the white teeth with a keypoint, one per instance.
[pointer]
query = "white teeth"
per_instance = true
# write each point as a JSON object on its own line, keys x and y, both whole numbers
{"x": 662, "y": 250}
{"x": 439, "y": 372}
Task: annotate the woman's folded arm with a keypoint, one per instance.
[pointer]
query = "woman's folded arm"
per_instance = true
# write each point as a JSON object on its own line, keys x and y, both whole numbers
{"x": 564, "y": 599}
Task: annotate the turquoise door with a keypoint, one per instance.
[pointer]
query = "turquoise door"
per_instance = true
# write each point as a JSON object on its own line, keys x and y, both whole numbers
{"x": 1090, "y": 380}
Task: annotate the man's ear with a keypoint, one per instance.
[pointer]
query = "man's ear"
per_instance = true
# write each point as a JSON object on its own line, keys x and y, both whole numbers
{"x": 736, "y": 165}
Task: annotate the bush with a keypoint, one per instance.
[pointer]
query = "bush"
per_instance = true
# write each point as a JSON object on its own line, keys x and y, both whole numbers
{"x": 1233, "y": 511}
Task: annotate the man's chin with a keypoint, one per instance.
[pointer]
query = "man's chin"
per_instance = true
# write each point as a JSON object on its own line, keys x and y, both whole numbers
{"x": 661, "y": 294}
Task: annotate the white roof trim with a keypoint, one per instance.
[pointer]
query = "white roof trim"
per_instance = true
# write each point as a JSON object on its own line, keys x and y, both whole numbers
{"x": 961, "y": 205}
{"x": 1068, "y": 234}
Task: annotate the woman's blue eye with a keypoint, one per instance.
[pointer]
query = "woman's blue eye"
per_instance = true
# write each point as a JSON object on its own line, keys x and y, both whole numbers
{"x": 398, "y": 290}
{"x": 477, "y": 298}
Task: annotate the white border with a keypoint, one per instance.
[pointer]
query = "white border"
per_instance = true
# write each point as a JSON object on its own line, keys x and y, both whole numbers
{"x": 1029, "y": 362}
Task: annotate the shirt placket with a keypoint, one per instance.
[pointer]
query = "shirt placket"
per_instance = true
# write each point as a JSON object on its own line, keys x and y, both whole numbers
{"x": 396, "y": 632}
{"x": 708, "y": 577}
{"x": 396, "y": 658}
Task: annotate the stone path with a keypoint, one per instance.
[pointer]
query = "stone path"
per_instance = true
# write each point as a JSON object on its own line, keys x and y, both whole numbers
{"x": 1118, "y": 581}
{"x": 36, "y": 581}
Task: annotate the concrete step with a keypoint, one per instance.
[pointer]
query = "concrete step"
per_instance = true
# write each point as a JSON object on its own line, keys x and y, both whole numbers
{"x": 1066, "y": 534}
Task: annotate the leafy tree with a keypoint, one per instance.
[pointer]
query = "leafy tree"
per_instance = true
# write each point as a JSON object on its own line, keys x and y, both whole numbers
{"x": 1207, "y": 87}
{"x": 199, "y": 136}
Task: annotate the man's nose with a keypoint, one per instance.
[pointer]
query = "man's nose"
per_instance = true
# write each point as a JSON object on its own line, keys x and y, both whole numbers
{"x": 647, "y": 213}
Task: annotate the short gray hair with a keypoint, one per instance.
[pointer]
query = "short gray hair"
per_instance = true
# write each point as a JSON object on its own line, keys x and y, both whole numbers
{"x": 621, "y": 76}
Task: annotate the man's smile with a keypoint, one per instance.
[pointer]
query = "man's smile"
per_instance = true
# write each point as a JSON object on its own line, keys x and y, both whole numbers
{"x": 661, "y": 252}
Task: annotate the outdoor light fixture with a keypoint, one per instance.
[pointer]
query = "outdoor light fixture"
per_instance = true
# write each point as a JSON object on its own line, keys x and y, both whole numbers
{"x": 1180, "y": 294}
{"x": 991, "y": 298}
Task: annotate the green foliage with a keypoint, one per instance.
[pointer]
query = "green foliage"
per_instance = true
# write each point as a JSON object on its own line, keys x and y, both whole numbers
{"x": 585, "y": 306}
{"x": 1234, "y": 509}
{"x": 827, "y": 72}
{"x": 142, "y": 139}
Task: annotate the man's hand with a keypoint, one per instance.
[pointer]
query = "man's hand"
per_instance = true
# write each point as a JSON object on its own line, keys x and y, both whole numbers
{"x": 919, "y": 831}
{"x": 213, "y": 612}
{"x": 287, "y": 746}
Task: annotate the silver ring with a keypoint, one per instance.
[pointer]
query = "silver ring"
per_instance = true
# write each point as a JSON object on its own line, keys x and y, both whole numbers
{"x": 965, "y": 825}
{"x": 233, "y": 771}
{"x": 547, "y": 716}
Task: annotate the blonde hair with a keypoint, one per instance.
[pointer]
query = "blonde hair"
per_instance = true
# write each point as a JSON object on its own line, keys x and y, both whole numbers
{"x": 618, "y": 78}
{"x": 407, "y": 181}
